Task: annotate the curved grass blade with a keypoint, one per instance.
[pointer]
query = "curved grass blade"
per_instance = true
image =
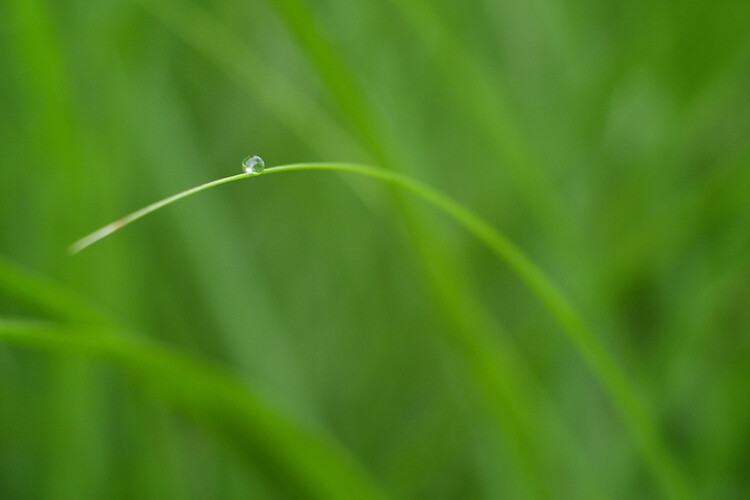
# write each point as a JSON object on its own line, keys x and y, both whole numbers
{"x": 317, "y": 466}
{"x": 623, "y": 395}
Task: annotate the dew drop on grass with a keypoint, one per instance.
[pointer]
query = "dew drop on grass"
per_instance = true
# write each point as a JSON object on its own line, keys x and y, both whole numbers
{"x": 253, "y": 164}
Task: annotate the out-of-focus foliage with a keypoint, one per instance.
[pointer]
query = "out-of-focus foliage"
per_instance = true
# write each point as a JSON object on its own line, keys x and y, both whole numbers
{"x": 608, "y": 140}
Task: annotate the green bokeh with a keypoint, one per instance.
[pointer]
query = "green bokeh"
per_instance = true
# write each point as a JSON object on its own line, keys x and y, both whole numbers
{"x": 342, "y": 337}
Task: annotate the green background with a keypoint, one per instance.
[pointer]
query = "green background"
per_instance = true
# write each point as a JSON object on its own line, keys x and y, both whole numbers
{"x": 316, "y": 334}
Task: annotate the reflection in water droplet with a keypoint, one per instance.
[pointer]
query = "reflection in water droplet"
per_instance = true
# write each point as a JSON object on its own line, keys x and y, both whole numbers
{"x": 253, "y": 164}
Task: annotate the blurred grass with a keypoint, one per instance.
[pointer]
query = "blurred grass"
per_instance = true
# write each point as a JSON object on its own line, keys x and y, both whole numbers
{"x": 608, "y": 140}
{"x": 307, "y": 463}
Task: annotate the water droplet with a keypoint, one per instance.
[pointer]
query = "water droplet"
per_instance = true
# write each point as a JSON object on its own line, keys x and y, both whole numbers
{"x": 253, "y": 164}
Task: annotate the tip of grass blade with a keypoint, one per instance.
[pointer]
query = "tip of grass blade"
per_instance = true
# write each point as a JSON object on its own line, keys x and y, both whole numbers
{"x": 110, "y": 228}
{"x": 92, "y": 238}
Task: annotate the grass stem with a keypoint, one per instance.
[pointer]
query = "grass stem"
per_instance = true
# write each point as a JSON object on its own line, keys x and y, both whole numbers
{"x": 622, "y": 393}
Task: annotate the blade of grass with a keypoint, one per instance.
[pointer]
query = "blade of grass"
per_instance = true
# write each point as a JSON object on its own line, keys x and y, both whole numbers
{"x": 623, "y": 395}
{"x": 319, "y": 467}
